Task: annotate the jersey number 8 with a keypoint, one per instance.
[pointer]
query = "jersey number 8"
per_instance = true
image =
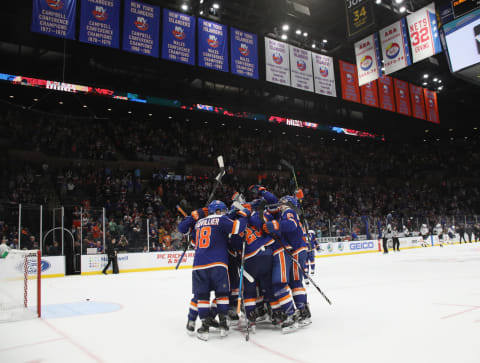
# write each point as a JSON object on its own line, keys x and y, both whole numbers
{"x": 203, "y": 237}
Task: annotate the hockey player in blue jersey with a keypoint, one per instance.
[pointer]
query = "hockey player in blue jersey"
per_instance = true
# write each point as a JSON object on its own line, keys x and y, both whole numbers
{"x": 210, "y": 264}
{"x": 282, "y": 301}
{"x": 293, "y": 233}
{"x": 312, "y": 246}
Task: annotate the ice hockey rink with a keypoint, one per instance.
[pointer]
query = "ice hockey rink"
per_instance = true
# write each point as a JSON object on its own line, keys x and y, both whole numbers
{"x": 419, "y": 305}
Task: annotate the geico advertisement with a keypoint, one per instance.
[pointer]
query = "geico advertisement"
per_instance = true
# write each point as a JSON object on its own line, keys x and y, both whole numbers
{"x": 349, "y": 247}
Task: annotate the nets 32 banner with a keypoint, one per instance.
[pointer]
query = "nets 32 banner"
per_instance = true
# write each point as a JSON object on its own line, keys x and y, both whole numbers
{"x": 212, "y": 45}
{"x": 141, "y": 26}
{"x": 100, "y": 22}
{"x": 277, "y": 62}
{"x": 301, "y": 68}
{"x": 244, "y": 53}
{"x": 54, "y": 17}
{"x": 395, "y": 50}
{"x": 367, "y": 53}
{"x": 424, "y": 38}
{"x": 323, "y": 75}
{"x": 178, "y": 37}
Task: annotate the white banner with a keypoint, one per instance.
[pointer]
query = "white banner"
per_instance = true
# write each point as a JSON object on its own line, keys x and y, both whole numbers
{"x": 277, "y": 62}
{"x": 395, "y": 50}
{"x": 367, "y": 54}
{"x": 424, "y": 38}
{"x": 301, "y": 68}
{"x": 324, "y": 75}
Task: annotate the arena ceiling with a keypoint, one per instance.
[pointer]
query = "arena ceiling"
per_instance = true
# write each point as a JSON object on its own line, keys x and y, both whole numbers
{"x": 34, "y": 55}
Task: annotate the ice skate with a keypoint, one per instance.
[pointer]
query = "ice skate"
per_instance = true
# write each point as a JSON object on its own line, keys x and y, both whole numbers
{"x": 289, "y": 325}
{"x": 233, "y": 318}
{"x": 191, "y": 327}
{"x": 223, "y": 325}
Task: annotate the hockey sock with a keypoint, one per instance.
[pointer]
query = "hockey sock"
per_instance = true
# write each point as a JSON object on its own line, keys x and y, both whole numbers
{"x": 193, "y": 309}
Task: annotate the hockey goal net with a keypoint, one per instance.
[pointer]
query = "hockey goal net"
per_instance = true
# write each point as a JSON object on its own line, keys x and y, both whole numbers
{"x": 20, "y": 285}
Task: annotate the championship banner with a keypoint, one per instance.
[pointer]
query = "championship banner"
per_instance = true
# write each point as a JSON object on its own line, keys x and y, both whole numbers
{"x": 424, "y": 38}
{"x": 402, "y": 96}
{"x": 100, "y": 22}
{"x": 141, "y": 26}
{"x": 385, "y": 93}
{"x": 395, "y": 50}
{"x": 54, "y": 17}
{"x": 178, "y": 43}
{"x": 418, "y": 103}
{"x": 323, "y": 75}
{"x": 367, "y": 54}
{"x": 370, "y": 94}
{"x": 360, "y": 16}
{"x": 431, "y": 105}
{"x": 348, "y": 75}
{"x": 277, "y": 62}
{"x": 212, "y": 45}
{"x": 244, "y": 53}
{"x": 301, "y": 68}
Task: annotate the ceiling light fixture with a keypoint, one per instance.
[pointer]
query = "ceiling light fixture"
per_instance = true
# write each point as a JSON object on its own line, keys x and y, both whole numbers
{"x": 216, "y": 6}
{"x": 285, "y": 27}
{"x": 284, "y": 36}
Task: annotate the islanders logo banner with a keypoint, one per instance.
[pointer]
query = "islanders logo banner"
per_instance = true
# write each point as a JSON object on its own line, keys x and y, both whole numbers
{"x": 324, "y": 75}
{"x": 243, "y": 53}
{"x": 301, "y": 68}
{"x": 178, "y": 43}
{"x": 277, "y": 62}
{"x": 54, "y": 17}
{"x": 100, "y": 24}
{"x": 212, "y": 45}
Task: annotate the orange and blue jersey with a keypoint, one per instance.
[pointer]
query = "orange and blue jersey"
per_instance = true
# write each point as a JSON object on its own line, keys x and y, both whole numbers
{"x": 212, "y": 238}
{"x": 291, "y": 231}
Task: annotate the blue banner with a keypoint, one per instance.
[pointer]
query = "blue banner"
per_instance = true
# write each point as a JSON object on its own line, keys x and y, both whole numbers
{"x": 100, "y": 22}
{"x": 178, "y": 37}
{"x": 54, "y": 17}
{"x": 212, "y": 45}
{"x": 244, "y": 53}
{"x": 141, "y": 27}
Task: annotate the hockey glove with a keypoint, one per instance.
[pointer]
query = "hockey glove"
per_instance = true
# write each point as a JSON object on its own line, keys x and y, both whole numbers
{"x": 271, "y": 227}
{"x": 200, "y": 213}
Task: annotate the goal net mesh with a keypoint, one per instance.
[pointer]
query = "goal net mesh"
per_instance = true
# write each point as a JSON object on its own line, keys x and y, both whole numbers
{"x": 20, "y": 274}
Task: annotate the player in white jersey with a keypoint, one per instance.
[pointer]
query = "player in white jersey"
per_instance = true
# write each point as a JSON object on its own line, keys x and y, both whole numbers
{"x": 425, "y": 234}
{"x": 438, "y": 231}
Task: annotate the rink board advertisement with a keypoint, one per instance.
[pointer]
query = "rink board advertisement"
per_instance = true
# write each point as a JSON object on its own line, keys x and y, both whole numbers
{"x": 244, "y": 53}
{"x": 367, "y": 54}
{"x": 423, "y": 30}
{"x": 347, "y": 248}
{"x": 395, "y": 50}
{"x": 212, "y": 45}
{"x": 348, "y": 75}
{"x": 53, "y": 266}
{"x": 136, "y": 262}
{"x": 54, "y": 17}
{"x": 100, "y": 23}
{"x": 301, "y": 69}
{"x": 141, "y": 28}
{"x": 324, "y": 75}
{"x": 277, "y": 62}
{"x": 178, "y": 37}
{"x": 385, "y": 93}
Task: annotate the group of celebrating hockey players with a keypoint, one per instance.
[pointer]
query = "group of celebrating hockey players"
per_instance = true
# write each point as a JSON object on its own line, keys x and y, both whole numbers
{"x": 266, "y": 240}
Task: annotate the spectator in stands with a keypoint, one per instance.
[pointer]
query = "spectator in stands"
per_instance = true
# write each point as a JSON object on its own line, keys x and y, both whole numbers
{"x": 54, "y": 249}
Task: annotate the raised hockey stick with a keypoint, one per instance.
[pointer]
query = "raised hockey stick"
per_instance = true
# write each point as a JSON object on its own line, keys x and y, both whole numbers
{"x": 218, "y": 181}
{"x": 182, "y": 212}
{"x": 304, "y": 219}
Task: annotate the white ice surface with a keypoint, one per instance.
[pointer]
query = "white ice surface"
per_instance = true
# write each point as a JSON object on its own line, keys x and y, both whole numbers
{"x": 419, "y": 305}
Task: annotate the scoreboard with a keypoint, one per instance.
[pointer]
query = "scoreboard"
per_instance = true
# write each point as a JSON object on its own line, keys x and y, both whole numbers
{"x": 461, "y": 7}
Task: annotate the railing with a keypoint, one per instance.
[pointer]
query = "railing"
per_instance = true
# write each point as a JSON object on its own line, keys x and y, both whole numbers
{"x": 66, "y": 230}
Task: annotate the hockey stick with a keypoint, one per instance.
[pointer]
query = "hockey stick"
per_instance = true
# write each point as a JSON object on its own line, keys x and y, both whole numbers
{"x": 218, "y": 181}
{"x": 304, "y": 219}
{"x": 182, "y": 212}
